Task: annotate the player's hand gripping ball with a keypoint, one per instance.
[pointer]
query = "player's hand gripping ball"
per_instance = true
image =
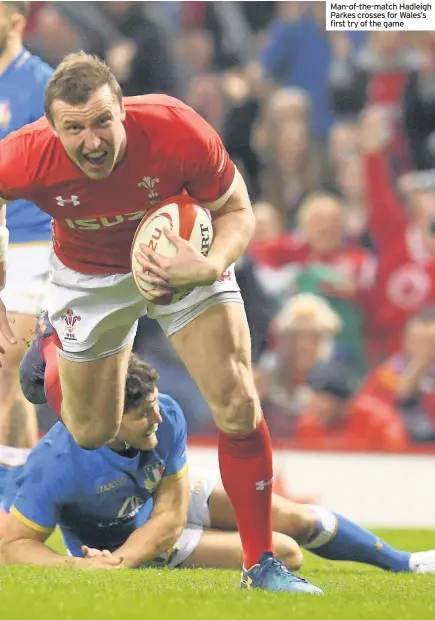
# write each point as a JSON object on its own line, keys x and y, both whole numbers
{"x": 182, "y": 216}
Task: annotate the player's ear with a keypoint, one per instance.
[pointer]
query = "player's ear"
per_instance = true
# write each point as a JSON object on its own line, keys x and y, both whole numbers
{"x": 122, "y": 112}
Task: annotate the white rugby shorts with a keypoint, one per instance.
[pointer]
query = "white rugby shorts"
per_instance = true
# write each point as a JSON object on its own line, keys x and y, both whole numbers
{"x": 96, "y": 316}
{"x": 202, "y": 484}
{"x": 26, "y": 277}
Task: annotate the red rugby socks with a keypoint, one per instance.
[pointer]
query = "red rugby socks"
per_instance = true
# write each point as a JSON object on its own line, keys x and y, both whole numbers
{"x": 247, "y": 475}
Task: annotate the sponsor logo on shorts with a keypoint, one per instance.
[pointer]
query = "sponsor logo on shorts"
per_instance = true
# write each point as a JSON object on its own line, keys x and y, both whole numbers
{"x": 70, "y": 319}
{"x": 153, "y": 475}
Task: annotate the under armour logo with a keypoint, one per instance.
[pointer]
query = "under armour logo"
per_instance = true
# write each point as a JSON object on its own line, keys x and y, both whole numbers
{"x": 261, "y": 484}
{"x": 74, "y": 200}
{"x": 148, "y": 182}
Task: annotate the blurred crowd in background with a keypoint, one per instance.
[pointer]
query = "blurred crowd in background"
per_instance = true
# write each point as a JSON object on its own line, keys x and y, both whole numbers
{"x": 335, "y": 136}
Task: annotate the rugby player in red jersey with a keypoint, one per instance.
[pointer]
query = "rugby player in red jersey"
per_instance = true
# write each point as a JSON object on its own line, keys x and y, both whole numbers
{"x": 96, "y": 164}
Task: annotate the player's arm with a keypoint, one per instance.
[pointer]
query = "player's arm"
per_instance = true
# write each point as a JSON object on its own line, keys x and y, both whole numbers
{"x": 233, "y": 225}
{"x": 23, "y": 542}
{"x": 165, "y": 525}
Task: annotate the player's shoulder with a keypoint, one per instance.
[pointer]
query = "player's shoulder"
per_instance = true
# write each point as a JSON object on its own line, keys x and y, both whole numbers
{"x": 28, "y": 152}
{"x": 172, "y": 414}
{"x": 36, "y": 69}
{"x": 52, "y": 453}
{"x": 166, "y": 119}
{"x": 32, "y": 135}
{"x": 145, "y": 106}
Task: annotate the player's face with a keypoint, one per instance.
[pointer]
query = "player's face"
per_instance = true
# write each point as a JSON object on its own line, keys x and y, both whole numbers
{"x": 92, "y": 133}
{"x": 9, "y": 23}
{"x": 139, "y": 426}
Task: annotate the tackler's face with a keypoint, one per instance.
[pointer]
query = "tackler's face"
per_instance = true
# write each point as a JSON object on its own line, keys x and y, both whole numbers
{"x": 11, "y": 24}
{"x": 139, "y": 426}
{"x": 92, "y": 133}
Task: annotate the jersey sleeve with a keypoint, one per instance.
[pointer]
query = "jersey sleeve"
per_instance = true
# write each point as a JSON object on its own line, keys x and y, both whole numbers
{"x": 176, "y": 460}
{"x": 13, "y": 166}
{"x": 209, "y": 173}
{"x": 40, "y": 488}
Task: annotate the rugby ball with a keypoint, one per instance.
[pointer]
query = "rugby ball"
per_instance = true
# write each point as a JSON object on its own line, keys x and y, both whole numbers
{"x": 187, "y": 219}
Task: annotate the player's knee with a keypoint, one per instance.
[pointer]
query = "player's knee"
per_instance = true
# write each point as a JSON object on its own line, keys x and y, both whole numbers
{"x": 239, "y": 410}
{"x": 288, "y": 551}
{"x": 295, "y": 520}
{"x": 93, "y": 436}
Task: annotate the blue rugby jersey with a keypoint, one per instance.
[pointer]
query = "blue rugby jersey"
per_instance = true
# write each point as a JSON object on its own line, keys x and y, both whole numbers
{"x": 22, "y": 87}
{"x": 99, "y": 497}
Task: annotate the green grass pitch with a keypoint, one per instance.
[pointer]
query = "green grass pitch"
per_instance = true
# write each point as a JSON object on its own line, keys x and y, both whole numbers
{"x": 352, "y": 591}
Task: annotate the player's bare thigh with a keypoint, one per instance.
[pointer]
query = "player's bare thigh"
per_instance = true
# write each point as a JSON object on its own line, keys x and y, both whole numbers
{"x": 216, "y": 350}
{"x": 93, "y": 396}
{"x": 223, "y": 549}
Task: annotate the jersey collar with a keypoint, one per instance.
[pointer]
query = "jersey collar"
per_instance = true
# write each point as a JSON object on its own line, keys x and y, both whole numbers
{"x": 19, "y": 59}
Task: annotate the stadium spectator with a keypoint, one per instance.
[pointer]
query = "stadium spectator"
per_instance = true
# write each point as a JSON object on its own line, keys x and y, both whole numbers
{"x": 419, "y": 106}
{"x": 54, "y": 35}
{"x": 375, "y": 75}
{"x": 400, "y": 230}
{"x": 205, "y": 96}
{"x": 346, "y": 178}
{"x": 303, "y": 333}
{"x": 326, "y": 265}
{"x": 338, "y": 418}
{"x": 242, "y": 114}
{"x": 298, "y": 53}
{"x": 140, "y": 58}
{"x": 406, "y": 381}
{"x": 295, "y": 169}
{"x": 268, "y": 222}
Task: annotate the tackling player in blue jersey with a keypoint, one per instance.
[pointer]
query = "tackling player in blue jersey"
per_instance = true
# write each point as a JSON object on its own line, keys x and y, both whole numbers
{"x": 128, "y": 504}
{"x": 23, "y": 78}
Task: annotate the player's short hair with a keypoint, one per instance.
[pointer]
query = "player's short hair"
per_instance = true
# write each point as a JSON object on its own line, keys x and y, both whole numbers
{"x": 140, "y": 383}
{"x": 17, "y": 7}
{"x": 76, "y": 78}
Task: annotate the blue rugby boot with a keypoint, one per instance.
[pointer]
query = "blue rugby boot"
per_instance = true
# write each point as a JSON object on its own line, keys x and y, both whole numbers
{"x": 272, "y": 574}
{"x": 32, "y": 365}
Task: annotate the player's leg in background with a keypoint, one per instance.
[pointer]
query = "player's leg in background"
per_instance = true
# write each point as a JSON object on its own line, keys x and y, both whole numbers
{"x": 204, "y": 543}
{"x": 215, "y": 348}
{"x": 10, "y": 391}
{"x": 319, "y": 530}
{"x": 17, "y": 415}
{"x": 223, "y": 549}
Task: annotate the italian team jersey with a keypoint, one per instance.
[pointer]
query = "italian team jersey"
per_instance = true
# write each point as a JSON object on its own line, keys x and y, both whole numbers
{"x": 99, "y": 497}
{"x": 22, "y": 86}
